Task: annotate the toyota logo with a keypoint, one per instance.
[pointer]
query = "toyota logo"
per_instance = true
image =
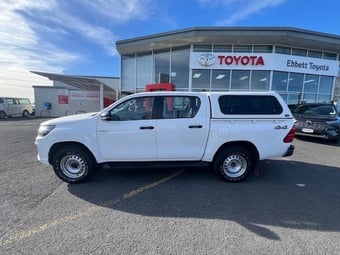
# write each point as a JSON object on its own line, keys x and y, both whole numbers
{"x": 206, "y": 59}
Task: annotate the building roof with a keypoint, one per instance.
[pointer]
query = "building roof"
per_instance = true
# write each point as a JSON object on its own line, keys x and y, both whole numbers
{"x": 286, "y": 36}
{"x": 80, "y": 82}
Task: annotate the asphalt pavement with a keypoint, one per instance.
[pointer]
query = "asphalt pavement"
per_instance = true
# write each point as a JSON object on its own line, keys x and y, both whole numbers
{"x": 292, "y": 207}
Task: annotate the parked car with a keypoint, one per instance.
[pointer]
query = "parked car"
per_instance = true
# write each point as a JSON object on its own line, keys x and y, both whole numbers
{"x": 14, "y": 106}
{"x": 317, "y": 120}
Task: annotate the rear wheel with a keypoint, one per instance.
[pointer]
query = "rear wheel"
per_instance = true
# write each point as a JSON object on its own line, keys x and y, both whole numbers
{"x": 25, "y": 113}
{"x": 73, "y": 164}
{"x": 233, "y": 164}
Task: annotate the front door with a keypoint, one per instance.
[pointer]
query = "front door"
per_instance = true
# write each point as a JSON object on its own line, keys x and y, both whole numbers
{"x": 129, "y": 133}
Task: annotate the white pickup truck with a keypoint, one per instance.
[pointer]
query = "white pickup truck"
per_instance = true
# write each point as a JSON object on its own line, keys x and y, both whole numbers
{"x": 231, "y": 131}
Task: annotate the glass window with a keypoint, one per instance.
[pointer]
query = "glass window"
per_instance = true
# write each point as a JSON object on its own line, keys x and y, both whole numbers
{"x": 323, "y": 99}
{"x": 10, "y": 101}
{"x": 295, "y": 82}
{"x": 220, "y": 79}
{"x": 240, "y": 80}
{"x": 309, "y": 98}
{"x": 329, "y": 55}
{"x": 144, "y": 70}
{"x": 202, "y": 48}
{"x": 260, "y": 80}
{"x": 294, "y": 98}
{"x": 314, "y": 54}
{"x": 311, "y": 83}
{"x": 299, "y": 52}
{"x": 280, "y": 81}
{"x": 244, "y": 104}
{"x": 317, "y": 109}
{"x": 1, "y": 100}
{"x": 180, "y": 107}
{"x": 282, "y": 50}
{"x": 242, "y": 48}
{"x": 179, "y": 75}
{"x": 263, "y": 48}
{"x": 128, "y": 78}
{"x": 284, "y": 96}
{"x": 201, "y": 79}
{"x": 326, "y": 85}
{"x": 134, "y": 109}
{"x": 223, "y": 48}
{"x": 24, "y": 101}
{"x": 162, "y": 67}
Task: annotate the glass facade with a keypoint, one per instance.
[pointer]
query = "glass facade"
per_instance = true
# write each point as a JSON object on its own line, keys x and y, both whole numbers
{"x": 172, "y": 65}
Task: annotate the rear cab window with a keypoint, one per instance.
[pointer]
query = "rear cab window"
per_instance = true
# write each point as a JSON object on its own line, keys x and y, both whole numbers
{"x": 249, "y": 105}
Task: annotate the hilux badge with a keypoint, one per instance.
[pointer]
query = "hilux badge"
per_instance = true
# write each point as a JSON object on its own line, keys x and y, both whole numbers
{"x": 206, "y": 59}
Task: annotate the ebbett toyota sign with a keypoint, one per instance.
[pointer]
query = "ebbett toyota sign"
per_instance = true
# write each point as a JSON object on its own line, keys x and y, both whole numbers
{"x": 263, "y": 61}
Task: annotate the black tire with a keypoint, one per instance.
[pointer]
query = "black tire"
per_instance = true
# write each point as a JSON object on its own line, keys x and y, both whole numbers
{"x": 2, "y": 115}
{"x": 25, "y": 113}
{"x": 233, "y": 164}
{"x": 73, "y": 164}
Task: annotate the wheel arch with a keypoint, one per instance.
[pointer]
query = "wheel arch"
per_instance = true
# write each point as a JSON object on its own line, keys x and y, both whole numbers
{"x": 245, "y": 144}
{"x": 59, "y": 145}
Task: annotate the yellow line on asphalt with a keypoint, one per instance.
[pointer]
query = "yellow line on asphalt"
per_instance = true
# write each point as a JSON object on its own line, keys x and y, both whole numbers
{"x": 30, "y": 232}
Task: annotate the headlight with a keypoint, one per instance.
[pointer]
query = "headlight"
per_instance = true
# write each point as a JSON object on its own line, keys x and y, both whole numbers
{"x": 45, "y": 130}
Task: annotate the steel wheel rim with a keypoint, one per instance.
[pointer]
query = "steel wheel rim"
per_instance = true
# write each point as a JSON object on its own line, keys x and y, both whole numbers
{"x": 235, "y": 166}
{"x": 73, "y": 166}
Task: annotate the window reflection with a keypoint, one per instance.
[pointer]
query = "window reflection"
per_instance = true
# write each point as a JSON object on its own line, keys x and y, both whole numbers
{"x": 295, "y": 82}
{"x": 280, "y": 81}
{"x": 162, "y": 67}
{"x": 260, "y": 80}
{"x": 128, "y": 74}
{"x": 201, "y": 79}
{"x": 144, "y": 70}
{"x": 311, "y": 83}
{"x": 220, "y": 80}
{"x": 240, "y": 79}
{"x": 180, "y": 68}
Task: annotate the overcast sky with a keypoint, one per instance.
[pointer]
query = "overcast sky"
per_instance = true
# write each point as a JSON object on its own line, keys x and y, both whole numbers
{"x": 78, "y": 36}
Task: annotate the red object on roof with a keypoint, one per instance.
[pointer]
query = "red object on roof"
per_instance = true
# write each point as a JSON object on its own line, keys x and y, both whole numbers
{"x": 160, "y": 87}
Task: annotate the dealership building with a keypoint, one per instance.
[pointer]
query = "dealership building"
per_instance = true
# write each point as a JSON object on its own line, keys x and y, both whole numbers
{"x": 301, "y": 65}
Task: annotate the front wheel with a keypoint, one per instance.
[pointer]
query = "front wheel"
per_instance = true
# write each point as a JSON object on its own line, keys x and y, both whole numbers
{"x": 233, "y": 164}
{"x": 2, "y": 115}
{"x": 73, "y": 164}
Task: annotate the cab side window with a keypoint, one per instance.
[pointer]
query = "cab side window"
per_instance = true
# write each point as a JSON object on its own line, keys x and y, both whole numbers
{"x": 176, "y": 107}
{"x": 134, "y": 109}
{"x": 156, "y": 107}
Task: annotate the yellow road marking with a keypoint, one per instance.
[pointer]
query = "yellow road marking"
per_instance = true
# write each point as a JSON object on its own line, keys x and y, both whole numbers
{"x": 30, "y": 232}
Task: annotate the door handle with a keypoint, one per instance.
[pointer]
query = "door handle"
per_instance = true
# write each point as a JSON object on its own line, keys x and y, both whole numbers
{"x": 195, "y": 126}
{"x": 146, "y": 127}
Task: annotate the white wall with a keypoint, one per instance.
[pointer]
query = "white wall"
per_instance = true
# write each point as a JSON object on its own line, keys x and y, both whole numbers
{"x": 48, "y": 94}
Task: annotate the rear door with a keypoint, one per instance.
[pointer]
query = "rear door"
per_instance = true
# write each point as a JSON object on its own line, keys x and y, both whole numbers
{"x": 183, "y": 127}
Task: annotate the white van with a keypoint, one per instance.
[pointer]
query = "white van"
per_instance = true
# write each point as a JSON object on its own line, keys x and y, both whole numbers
{"x": 13, "y": 106}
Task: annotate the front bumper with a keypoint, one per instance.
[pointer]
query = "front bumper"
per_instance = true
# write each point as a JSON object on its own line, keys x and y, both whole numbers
{"x": 43, "y": 150}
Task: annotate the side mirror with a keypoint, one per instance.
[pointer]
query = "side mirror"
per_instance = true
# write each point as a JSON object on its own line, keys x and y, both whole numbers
{"x": 105, "y": 116}
{"x": 108, "y": 116}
